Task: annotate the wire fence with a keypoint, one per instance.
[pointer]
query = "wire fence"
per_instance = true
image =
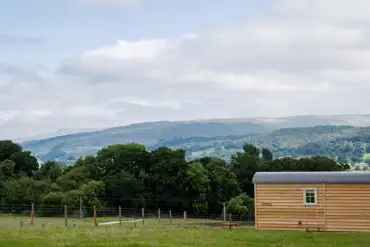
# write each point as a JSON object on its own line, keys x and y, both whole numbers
{"x": 84, "y": 216}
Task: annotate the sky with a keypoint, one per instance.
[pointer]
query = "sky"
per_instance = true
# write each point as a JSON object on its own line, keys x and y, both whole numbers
{"x": 77, "y": 64}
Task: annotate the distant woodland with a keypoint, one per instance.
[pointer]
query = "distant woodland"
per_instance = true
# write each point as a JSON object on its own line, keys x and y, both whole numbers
{"x": 131, "y": 176}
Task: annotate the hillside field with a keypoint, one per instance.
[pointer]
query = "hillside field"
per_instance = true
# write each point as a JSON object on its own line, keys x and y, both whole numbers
{"x": 158, "y": 235}
{"x": 345, "y": 144}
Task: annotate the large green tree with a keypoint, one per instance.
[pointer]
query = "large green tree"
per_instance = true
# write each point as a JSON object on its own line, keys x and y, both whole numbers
{"x": 240, "y": 206}
{"x": 167, "y": 176}
{"x": 223, "y": 183}
{"x": 245, "y": 164}
{"x": 50, "y": 170}
{"x": 123, "y": 169}
{"x": 8, "y": 148}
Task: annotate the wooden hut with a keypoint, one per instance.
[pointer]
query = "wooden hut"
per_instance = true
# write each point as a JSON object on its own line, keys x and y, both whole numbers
{"x": 312, "y": 201}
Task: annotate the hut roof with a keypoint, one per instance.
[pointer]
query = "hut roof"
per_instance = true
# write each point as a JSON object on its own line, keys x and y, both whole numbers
{"x": 311, "y": 177}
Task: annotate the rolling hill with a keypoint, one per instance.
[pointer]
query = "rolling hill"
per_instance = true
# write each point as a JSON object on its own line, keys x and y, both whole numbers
{"x": 288, "y": 136}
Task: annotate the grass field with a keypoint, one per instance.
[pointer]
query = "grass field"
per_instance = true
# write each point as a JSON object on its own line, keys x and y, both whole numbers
{"x": 155, "y": 234}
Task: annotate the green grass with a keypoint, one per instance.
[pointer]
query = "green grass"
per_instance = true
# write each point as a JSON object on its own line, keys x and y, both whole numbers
{"x": 154, "y": 234}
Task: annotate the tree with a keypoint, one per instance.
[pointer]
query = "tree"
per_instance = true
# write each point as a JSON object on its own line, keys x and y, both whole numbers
{"x": 24, "y": 163}
{"x": 24, "y": 190}
{"x": 357, "y": 168}
{"x": 123, "y": 186}
{"x": 223, "y": 182}
{"x": 93, "y": 190}
{"x": 52, "y": 199}
{"x": 251, "y": 150}
{"x": 72, "y": 199}
{"x": 7, "y": 169}
{"x": 129, "y": 157}
{"x": 267, "y": 155}
{"x": 123, "y": 168}
{"x": 273, "y": 166}
{"x": 54, "y": 187}
{"x": 318, "y": 163}
{"x": 198, "y": 182}
{"x": 50, "y": 170}
{"x": 51, "y": 204}
{"x": 245, "y": 165}
{"x": 367, "y": 160}
{"x": 239, "y": 205}
{"x": 8, "y": 148}
{"x": 167, "y": 176}
{"x": 73, "y": 179}
{"x": 92, "y": 165}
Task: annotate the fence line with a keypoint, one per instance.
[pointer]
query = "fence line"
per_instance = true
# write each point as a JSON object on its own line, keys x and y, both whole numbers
{"x": 94, "y": 216}
{"x": 84, "y": 205}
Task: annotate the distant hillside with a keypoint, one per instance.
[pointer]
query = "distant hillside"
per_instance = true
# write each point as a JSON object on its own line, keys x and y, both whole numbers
{"x": 69, "y": 147}
{"x": 212, "y": 137}
{"x": 343, "y": 143}
{"x": 60, "y": 132}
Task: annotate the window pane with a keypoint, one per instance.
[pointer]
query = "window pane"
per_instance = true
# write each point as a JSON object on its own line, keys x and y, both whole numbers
{"x": 310, "y": 197}
{"x": 307, "y": 199}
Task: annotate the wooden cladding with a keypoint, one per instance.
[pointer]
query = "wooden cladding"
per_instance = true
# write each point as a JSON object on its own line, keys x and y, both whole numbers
{"x": 348, "y": 207}
{"x": 339, "y": 207}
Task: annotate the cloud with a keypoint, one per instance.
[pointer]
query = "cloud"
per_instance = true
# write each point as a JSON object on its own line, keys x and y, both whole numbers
{"x": 7, "y": 39}
{"x": 115, "y": 3}
{"x": 300, "y": 57}
{"x": 10, "y": 73}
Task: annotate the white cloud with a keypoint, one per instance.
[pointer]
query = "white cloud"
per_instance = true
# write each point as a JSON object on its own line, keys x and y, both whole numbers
{"x": 143, "y": 50}
{"x": 7, "y": 115}
{"x": 302, "y": 57}
{"x": 122, "y": 3}
{"x": 142, "y": 102}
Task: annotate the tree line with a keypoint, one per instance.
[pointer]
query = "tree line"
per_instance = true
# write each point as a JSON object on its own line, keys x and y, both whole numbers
{"x": 129, "y": 175}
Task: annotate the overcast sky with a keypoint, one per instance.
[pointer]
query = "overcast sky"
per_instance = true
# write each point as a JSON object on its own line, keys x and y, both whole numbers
{"x": 101, "y": 63}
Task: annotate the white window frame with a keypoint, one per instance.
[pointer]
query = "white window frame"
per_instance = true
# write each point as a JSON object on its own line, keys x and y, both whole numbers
{"x": 304, "y": 196}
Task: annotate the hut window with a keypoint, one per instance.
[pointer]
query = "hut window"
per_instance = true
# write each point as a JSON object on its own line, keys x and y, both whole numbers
{"x": 310, "y": 196}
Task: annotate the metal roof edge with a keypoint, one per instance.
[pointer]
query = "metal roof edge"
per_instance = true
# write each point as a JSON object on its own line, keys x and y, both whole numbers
{"x": 348, "y": 177}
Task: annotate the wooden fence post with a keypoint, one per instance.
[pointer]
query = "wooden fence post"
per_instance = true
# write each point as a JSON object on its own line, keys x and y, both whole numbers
{"x": 120, "y": 215}
{"x": 159, "y": 215}
{"x": 32, "y": 213}
{"x": 224, "y": 211}
{"x": 65, "y": 215}
{"x": 185, "y": 217}
{"x": 170, "y": 213}
{"x": 81, "y": 212}
{"x": 142, "y": 215}
{"x": 95, "y": 221}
